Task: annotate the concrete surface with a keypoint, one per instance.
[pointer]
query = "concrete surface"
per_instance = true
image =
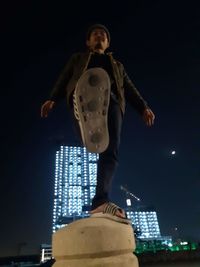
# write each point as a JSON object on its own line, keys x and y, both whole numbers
{"x": 94, "y": 242}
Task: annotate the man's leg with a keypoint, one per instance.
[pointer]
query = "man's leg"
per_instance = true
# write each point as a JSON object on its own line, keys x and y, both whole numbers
{"x": 108, "y": 160}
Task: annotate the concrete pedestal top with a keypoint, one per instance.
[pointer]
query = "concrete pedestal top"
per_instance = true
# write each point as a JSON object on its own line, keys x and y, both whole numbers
{"x": 95, "y": 241}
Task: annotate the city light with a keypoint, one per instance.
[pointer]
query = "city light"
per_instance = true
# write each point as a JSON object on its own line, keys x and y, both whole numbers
{"x": 128, "y": 202}
{"x": 75, "y": 182}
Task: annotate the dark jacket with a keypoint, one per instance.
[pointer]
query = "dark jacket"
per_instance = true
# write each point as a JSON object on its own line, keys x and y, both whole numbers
{"x": 75, "y": 67}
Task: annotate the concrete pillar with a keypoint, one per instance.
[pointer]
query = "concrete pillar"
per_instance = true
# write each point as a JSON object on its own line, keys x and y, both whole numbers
{"x": 94, "y": 242}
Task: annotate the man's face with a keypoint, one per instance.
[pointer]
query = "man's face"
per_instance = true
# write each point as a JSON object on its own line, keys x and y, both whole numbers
{"x": 98, "y": 40}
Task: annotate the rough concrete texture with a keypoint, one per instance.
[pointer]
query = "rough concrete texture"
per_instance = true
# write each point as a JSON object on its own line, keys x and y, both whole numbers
{"x": 95, "y": 241}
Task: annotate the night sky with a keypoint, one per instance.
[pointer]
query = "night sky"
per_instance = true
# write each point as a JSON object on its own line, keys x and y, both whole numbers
{"x": 159, "y": 44}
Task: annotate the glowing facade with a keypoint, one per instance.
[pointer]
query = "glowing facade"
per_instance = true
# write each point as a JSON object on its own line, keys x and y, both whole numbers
{"x": 145, "y": 224}
{"x": 145, "y": 221}
{"x": 75, "y": 183}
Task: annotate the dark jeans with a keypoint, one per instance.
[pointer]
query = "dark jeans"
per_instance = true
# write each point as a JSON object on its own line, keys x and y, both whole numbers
{"x": 108, "y": 160}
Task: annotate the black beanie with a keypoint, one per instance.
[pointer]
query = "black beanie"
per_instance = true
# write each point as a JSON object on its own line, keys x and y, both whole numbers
{"x": 97, "y": 26}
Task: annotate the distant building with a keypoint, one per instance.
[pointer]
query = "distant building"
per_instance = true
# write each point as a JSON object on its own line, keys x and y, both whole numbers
{"x": 46, "y": 252}
{"x": 75, "y": 184}
{"x": 145, "y": 223}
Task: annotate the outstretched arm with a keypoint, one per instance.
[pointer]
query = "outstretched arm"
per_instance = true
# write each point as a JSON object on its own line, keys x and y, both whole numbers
{"x": 59, "y": 90}
{"x": 137, "y": 101}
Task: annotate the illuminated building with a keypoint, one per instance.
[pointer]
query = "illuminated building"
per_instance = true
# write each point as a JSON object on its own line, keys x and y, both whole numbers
{"x": 46, "y": 252}
{"x": 75, "y": 183}
{"x": 145, "y": 223}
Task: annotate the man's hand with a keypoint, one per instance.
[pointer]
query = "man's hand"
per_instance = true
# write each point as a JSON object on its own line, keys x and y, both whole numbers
{"x": 46, "y": 108}
{"x": 148, "y": 117}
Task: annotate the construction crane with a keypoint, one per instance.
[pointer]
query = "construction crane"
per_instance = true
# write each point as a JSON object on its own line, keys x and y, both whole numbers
{"x": 123, "y": 188}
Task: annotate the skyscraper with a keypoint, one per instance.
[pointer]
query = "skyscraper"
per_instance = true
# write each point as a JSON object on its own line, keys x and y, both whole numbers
{"x": 75, "y": 183}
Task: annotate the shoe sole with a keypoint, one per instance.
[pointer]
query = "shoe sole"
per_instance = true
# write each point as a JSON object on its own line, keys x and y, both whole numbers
{"x": 91, "y": 102}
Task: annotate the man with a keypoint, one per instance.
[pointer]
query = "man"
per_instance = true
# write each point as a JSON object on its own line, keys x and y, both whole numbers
{"x": 97, "y": 72}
